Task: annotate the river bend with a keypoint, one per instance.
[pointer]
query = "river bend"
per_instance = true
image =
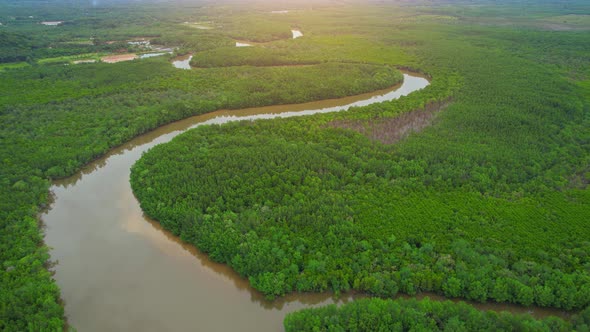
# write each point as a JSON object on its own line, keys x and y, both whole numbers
{"x": 119, "y": 271}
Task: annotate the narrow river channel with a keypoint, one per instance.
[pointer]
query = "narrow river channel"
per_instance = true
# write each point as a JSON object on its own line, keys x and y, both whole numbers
{"x": 119, "y": 271}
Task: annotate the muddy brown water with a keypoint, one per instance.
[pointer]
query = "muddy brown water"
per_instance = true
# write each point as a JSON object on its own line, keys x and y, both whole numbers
{"x": 119, "y": 271}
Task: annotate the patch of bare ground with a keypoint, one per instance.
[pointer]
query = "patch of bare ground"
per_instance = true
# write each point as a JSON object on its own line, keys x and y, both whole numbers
{"x": 579, "y": 180}
{"x": 556, "y": 27}
{"x": 391, "y": 130}
{"x": 118, "y": 58}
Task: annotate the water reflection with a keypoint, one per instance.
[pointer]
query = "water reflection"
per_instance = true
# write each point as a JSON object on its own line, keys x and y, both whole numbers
{"x": 182, "y": 62}
{"x": 151, "y": 55}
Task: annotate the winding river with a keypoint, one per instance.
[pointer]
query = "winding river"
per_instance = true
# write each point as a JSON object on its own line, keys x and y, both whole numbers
{"x": 119, "y": 271}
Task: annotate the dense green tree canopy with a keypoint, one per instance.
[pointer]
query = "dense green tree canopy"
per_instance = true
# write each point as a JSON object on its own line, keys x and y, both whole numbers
{"x": 425, "y": 315}
{"x": 490, "y": 203}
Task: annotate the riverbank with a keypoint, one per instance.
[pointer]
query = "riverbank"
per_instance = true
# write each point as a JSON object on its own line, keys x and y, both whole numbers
{"x": 95, "y": 300}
